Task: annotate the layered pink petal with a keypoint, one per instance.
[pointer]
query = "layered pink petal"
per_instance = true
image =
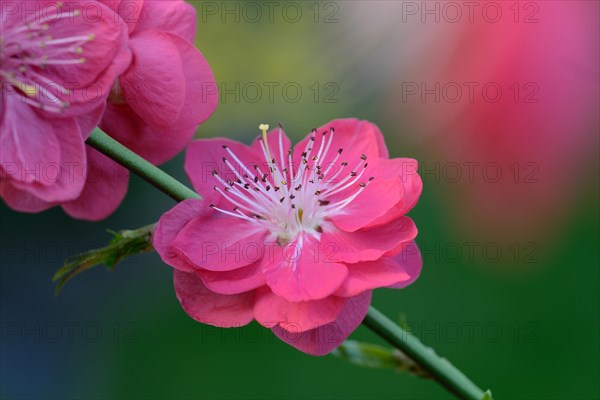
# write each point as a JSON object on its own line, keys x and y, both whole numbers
{"x": 412, "y": 187}
{"x": 28, "y": 142}
{"x": 49, "y": 166}
{"x": 128, "y": 10}
{"x": 220, "y": 243}
{"x": 411, "y": 261}
{"x": 323, "y": 340}
{"x": 271, "y": 310}
{"x": 301, "y": 270}
{"x": 200, "y": 86}
{"x": 105, "y": 188}
{"x": 394, "y": 190}
{"x": 206, "y": 155}
{"x": 168, "y": 227}
{"x": 395, "y": 271}
{"x": 155, "y": 145}
{"x": 154, "y": 85}
{"x": 211, "y": 308}
{"x": 368, "y": 244}
{"x": 236, "y": 281}
{"x": 173, "y": 16}
{"x": 20, "y": 200}
{"x": 378, "y": 198}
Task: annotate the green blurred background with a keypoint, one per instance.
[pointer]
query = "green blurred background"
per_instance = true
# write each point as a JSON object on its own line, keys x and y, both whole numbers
{"x": 524, "y": 324}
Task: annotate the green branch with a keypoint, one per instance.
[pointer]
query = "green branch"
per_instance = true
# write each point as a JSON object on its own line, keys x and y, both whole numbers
{"x": 440, "y": 369}
{"x": 127, "y": 158}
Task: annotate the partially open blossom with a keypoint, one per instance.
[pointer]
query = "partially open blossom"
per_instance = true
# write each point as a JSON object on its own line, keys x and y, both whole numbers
{"x": 57, "y": 68}
{"x": 295, "y": 239}
{"x": 157, "y": 104}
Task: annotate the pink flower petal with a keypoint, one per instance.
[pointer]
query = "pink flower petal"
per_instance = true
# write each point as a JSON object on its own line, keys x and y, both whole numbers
{"x": 220, "y": 243}
{"x": 412, "y": 188}
{"x": 394, "y": 190}
{"x": 29, "y": 142}
{"x": 237, "y": 281}
{"x": 411, "y": 261}
{"x": 367, "y": 244}
{"x": 271, "y": 310}
{"x": 20, "y": 200}
{"x": 50, "y": 166}
{"x": 155, "y": 145}
{"x": 300, "y": 270}
{"x": 173, "y": 16}
{"x": 390, "y": 271}
{"x": 154, "y": 85}
{"x": 201, "y": 99}
{"x": 211, "y": 308}
{"x": 355, "y": 137}
{"x": 323, "y": 340}
{"x": 378, "y": 198}
{"x": 168, "y": 227}
{"x": 105, "y": 188}
{"x": 106, "y": 57}
{"x": 206, "y": 155}
{"x": 128, "y": 10}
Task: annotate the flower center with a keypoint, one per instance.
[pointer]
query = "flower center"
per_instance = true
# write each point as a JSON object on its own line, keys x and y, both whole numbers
{"x": 287, "y": 199}
{"x": 28, "y": 48}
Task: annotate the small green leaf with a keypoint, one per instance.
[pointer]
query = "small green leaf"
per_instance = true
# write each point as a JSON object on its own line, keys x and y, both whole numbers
{"x": 123, "y": 244}
{"x": 487, "y": 395}
{"x": 374, "y": 356}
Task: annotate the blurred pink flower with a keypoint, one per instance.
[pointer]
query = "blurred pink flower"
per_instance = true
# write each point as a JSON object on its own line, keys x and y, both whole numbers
{"x": 516, "y": 100}
{"x": 57, "y": 69}
{"x": 296, "y": 239}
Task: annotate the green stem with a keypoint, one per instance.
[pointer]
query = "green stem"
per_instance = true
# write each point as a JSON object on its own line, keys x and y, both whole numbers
{"x": 127, "y": 158}
{"x": 440, "y": 369}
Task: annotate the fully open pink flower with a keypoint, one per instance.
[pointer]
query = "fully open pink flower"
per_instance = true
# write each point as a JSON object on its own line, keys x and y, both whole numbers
{"x": 296, "y": 239}
{"x": 156, "y": 104}
{"x": 58, "y": 65}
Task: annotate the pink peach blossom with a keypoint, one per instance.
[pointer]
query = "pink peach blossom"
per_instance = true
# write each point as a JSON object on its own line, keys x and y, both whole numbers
{"x": 57, "y": 68}
{"x": 295, "y": 239}
{"x": 157, "y": 103}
